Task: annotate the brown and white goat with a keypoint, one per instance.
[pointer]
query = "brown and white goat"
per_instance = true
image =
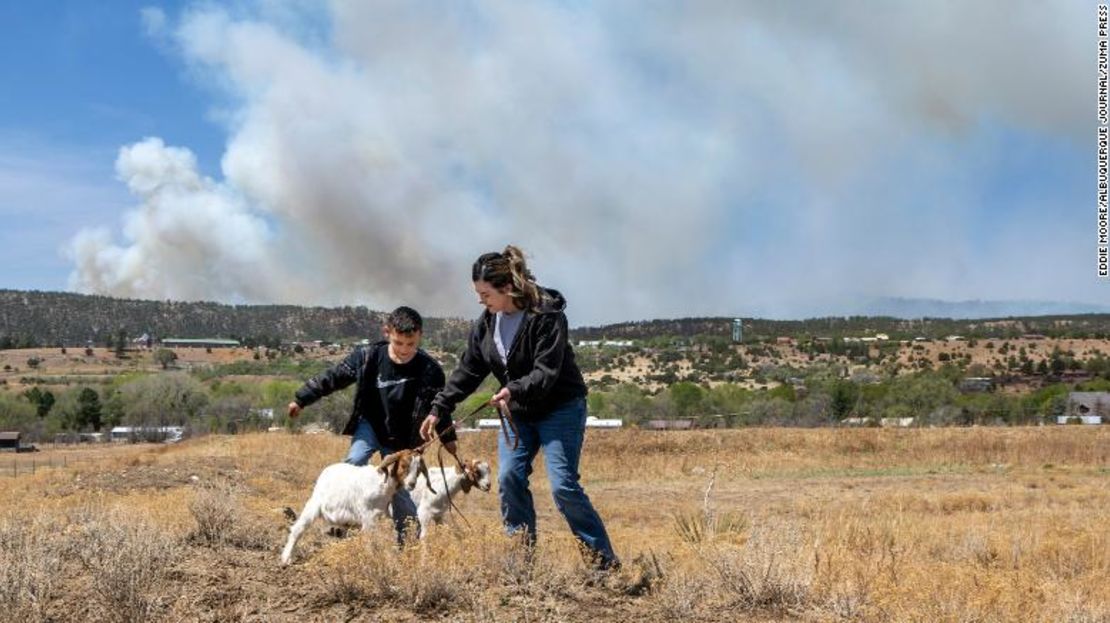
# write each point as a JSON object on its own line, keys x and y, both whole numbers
{"x": 432, "y": 505}
{"x": 349, "y": 495}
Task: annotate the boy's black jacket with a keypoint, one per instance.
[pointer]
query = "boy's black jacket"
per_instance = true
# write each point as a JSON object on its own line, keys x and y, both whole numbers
{"x": 362, "y": 367}
{"x": 541, "y": 373}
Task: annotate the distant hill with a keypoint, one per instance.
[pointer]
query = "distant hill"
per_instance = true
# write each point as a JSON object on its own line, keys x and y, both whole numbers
{"x": 933, "y": 308}
{"x": 33, "y": 318}
{"x": 1071, "y": 326}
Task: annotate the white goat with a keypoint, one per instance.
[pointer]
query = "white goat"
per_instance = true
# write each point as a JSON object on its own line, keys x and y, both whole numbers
{"x": 346, "y": 495}
{"x": 432, "y": 506}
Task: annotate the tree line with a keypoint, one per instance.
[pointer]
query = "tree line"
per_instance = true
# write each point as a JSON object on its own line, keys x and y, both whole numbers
{"x": 823, "y": 398}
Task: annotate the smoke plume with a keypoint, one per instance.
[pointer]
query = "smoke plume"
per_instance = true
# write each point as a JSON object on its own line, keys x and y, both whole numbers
{"x": 654, "y": 159}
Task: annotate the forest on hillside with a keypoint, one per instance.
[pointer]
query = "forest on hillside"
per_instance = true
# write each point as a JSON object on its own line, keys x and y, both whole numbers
{"x": 37, "y": 319}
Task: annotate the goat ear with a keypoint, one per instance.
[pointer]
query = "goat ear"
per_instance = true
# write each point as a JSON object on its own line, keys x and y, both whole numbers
{"x": 383, "y": 467}
{"x": 427, "y": 476}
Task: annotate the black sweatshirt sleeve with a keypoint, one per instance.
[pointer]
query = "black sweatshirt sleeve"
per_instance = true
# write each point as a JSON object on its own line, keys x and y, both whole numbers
{"x": 333, "y": 379}
{"x": 467, "y": 377}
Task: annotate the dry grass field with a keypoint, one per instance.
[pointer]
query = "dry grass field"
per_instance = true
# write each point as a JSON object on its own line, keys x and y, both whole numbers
{"x": 762, "y": 525}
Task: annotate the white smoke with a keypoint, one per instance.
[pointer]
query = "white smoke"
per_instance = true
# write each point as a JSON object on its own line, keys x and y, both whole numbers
{"x": 657, "y": 159}
{"x": 191, "y": 238}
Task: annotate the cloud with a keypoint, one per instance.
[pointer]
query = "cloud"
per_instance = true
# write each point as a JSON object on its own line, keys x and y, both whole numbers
{"x": 663, "y": 159}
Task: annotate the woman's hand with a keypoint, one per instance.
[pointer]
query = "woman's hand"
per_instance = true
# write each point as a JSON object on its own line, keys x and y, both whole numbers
{"x": 503, "y": 397}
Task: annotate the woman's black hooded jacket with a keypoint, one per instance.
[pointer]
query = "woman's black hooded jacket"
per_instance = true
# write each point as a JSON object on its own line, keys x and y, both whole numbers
{"x": 541, "y": 372}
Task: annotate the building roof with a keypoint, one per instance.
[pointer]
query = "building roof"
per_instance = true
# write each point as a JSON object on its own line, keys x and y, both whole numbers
{"x": 10, "y": 436}
{"x": 1088, "y": 396}
{"x": 662, "y": 424}
{"x": 189, "y": 340}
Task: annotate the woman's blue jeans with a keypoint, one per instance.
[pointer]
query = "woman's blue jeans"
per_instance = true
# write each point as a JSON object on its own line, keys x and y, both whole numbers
{"x": 560, "y": 435}
{"x": 364, "y": 443}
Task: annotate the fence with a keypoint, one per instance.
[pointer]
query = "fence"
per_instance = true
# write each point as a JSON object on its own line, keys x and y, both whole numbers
{"x": 23, "y": 466}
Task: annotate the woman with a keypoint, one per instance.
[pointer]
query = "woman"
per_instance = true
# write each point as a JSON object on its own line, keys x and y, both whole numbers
{"x": 521, "y": 337}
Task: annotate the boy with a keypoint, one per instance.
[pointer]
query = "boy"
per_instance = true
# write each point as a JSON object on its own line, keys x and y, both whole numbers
{"x": 395, "y": 383}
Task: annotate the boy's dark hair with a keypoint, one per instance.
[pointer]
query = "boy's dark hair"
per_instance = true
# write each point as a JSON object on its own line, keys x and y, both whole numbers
{"x": 404, "y": 320}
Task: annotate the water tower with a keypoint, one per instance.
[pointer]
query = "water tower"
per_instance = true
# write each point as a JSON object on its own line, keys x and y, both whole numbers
{"x": 737, "y": 330}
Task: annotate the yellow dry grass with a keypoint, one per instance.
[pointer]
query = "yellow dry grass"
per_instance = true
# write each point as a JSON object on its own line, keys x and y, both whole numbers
{"x": 763, "y": 524}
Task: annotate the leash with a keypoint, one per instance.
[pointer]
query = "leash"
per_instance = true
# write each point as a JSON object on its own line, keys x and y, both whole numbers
{"x": 507, "y": 424}
{"x": 503, "y": 415}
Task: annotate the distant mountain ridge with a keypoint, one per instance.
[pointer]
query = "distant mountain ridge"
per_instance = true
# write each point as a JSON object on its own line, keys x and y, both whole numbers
{"x": 966, "y": 310}
{"x": 35, "y": 318}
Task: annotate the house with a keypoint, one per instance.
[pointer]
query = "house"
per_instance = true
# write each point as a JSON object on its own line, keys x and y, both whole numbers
{"x": 174, "y": 342}
{"x": 976, "y": 384}
{"x": 601, "y": 343}
{"x": 1079, "y": 419}
{"x": 1086, "y": 408}
{"x": 593, "y": 422}
{"x": 167, "y": 434}
{"x": 10, "y": 440}
{"x": 669, "y": 424}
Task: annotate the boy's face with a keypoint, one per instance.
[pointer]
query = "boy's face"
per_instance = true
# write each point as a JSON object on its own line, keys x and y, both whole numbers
{"x": 402, "y": 346}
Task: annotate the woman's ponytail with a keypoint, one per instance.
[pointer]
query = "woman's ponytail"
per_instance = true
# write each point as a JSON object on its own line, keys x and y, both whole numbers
{"x": 525, "y": 291}
{"x": 509, "y": 268}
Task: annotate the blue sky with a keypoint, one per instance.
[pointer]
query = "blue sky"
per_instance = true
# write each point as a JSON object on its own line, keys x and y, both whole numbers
{"x": 83, "y": 79}
{"x": 85, "y": 75}
{"x": 654, "y": 159}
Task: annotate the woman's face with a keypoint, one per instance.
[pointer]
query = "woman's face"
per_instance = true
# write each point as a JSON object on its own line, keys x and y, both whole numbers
{"x": 495, "y": 299}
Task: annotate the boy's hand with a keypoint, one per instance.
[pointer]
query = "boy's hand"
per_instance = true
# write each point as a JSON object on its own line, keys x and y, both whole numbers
{"x": 428, "y": 427}
{"x": 294, "y": 409}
